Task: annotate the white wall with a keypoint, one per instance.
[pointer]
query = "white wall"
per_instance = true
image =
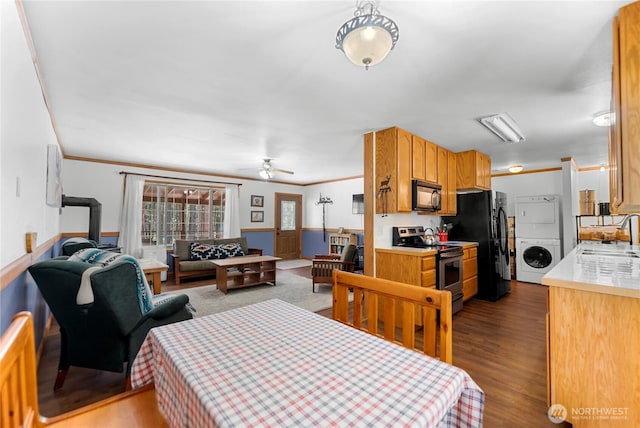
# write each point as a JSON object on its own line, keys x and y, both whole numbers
{"x": 338, "y": 214}
{"x": 383, "y": 225}
{"x": 551, "y": 183}
{"x": 595, "y": 180}
{"x": 104, "y": 183}
{"x": 542, "y": 183}
{"x": 569, "y": 200}
{"x": 24, "y": 134}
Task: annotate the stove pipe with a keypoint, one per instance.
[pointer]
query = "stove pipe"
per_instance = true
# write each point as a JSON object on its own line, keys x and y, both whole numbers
{"x": 95, "y": 210}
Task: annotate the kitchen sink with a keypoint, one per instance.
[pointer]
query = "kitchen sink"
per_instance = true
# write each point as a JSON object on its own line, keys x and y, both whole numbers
{"x": 610, "y": 252}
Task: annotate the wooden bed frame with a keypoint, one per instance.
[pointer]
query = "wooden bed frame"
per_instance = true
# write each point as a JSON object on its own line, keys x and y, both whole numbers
{"x": 368, "y": 292}
{"x": 19, "y": 391}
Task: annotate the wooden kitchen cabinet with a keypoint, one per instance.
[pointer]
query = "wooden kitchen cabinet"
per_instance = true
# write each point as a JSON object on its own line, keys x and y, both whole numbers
{"x": 473, "y": 171}
{"x": 452, "y": 186}
{"x": 411, "y": 267}
{"x": 431, "y": 162}
{"x": 447, "y": 166}
{"x": 418, "y": 157}
{"x": 403, "y": 157}
{"x": 393, "y": 159}
{"x": 593, "y": 348}
{"x": 469, "y": 272}
{"x": 424, "y": 160}
{"x": 624, "y": 135}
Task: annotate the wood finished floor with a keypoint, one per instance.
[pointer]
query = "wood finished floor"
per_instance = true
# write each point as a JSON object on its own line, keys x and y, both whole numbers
{"x": 500, "y": 344}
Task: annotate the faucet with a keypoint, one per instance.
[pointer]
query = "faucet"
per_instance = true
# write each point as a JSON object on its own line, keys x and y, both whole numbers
{"x": 625, "y": 222}
{"x": 627, "y": 219}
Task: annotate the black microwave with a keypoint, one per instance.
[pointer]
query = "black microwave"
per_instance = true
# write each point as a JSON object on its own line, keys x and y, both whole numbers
{"x": 425, "y": 196}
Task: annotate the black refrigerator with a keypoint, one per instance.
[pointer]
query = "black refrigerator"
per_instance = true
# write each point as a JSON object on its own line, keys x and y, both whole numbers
{"x": 482, "y": 218}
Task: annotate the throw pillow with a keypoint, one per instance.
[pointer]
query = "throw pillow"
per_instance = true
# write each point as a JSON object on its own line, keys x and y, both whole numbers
{"x": 232, "y": 249}
{"x": 212, "y": 252}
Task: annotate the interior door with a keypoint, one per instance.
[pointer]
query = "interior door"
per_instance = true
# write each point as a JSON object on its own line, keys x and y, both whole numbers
{"x": 288, "y": 225}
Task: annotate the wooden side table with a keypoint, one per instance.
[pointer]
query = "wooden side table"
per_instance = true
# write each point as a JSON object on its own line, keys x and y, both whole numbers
{"x": 152, "y": 271}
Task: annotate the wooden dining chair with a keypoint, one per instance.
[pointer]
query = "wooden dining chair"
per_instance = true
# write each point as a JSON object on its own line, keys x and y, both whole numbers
{"x": 395, "y": 296}
{"x": 323, "y": 265}
{"x": 19, "y": 391}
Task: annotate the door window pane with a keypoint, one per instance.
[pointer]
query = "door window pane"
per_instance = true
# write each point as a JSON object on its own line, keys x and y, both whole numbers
{"x": 288, "y": 215}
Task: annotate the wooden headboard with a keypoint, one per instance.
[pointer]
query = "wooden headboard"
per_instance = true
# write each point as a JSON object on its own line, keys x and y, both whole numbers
{"x": 369, "y": 291}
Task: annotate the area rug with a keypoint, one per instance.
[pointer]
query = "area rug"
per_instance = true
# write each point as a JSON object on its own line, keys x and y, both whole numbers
{"x": 289, "y": 287}
{"x": 293, "y": 264}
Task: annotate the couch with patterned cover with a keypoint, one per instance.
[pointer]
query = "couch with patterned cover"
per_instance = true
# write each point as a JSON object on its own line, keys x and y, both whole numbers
{"x": 192, "y": 257}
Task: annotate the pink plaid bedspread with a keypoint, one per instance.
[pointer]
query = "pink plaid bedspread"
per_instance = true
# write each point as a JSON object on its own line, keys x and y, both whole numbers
{"x": 274, "y": 364}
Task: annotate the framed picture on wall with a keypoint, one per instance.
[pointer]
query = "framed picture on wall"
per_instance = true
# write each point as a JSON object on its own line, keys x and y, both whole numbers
{"x": 54, "y": 176}
{"x": 257, "y": 201}
{"x": 257, "y": 216}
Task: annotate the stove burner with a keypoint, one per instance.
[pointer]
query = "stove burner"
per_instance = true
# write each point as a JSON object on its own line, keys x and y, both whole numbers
{"x": 413, "y": 237}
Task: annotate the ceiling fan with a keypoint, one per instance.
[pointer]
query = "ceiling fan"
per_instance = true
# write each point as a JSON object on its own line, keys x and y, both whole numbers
{"x": 268, "y": 171}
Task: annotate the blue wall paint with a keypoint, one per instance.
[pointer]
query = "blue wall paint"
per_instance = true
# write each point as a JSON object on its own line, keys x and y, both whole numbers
{"x": 22, "y": 294}
{"x": 262, "y": 239}
{"x": 313, "y": 243}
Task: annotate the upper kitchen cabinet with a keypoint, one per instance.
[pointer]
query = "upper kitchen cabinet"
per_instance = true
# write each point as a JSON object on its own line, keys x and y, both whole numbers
{"x": 473, "y": 171}
{"x": 393, "y": 160}
{"x": 401, "y": 157}
{"x": 624, "y": 136}
{"x": 418, "y": 156}
{"x": 452, "y": 185}
{"x": 424, "y": 160}
{"x": 447, "y": 179}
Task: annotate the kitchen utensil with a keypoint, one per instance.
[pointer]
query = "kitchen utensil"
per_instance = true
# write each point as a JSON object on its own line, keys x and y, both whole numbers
{"x": 429, "y": 237}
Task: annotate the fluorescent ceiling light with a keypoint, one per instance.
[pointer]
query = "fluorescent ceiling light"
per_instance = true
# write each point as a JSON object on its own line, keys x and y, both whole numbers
{"x": 515, "y": 168}
{"x": 602, "y": 119}
{"x": 504, "y": 127}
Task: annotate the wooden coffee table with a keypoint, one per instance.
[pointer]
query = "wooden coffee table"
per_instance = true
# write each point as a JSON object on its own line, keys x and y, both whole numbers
{"x": 244, "y": 271}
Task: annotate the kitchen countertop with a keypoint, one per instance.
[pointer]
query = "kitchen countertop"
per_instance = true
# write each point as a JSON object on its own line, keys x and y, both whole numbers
{"x": 423, "y": 251}
{"x": 616, "y": 275}
{"x": 462, "y": 243}
{"x": 409, "y": 251}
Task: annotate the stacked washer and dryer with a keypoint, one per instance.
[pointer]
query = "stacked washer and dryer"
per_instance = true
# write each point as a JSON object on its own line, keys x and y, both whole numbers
{"x": 538, "y": 243}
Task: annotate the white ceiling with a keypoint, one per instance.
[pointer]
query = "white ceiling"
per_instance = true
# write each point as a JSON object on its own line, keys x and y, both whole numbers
{"x": 215, "y": 86}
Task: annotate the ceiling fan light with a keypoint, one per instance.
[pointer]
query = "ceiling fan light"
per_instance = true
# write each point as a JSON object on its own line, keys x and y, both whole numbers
{"x": 515, "y": 169}
{"x": 266, "y": 174}
{"x": 367, "y": 39}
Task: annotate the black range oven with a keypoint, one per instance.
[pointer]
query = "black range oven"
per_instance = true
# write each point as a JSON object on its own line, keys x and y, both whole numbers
{"x": 449, "y": 273}
{"x": 448, "y": 261}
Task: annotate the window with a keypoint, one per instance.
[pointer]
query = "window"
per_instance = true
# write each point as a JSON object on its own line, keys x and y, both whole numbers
{"x": 171, "y": 212}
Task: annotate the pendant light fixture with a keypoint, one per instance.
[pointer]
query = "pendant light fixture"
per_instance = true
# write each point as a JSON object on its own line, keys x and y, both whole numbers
{"x": 367, "y": 39}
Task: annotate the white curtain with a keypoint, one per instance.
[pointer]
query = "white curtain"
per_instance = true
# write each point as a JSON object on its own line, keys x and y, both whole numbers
{"x": 130, "y": 239}
{"x": 232, "y": 211}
